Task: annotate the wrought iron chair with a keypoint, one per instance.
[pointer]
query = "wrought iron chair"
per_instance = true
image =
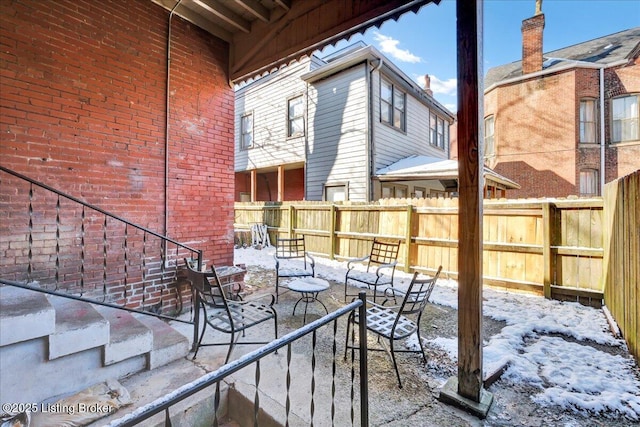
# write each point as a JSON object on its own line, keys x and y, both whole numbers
{"x": 292, "y": 261}
{"x": 396, "y": 323}
{"x": 381, "y": 266}
{"x": 229, "y": 317}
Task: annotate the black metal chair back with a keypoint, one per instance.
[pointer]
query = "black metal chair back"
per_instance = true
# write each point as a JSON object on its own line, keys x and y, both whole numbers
{"x": 288, "y": 250}
{"x": 398, "y": 323}
{"x": 230, "y": 317}
{"x": 383, "y": 253}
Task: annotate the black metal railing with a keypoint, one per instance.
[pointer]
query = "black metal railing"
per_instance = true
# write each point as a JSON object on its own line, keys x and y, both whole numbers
{"x": 55, "y": 243}
{"x": 354, "y": 414}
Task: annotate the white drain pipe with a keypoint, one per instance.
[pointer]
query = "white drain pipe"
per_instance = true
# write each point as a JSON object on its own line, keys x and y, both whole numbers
{"x": 166, "y": 135}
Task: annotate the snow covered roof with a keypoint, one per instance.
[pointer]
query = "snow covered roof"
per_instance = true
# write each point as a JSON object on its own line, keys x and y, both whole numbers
{"x": 424, "y": 167}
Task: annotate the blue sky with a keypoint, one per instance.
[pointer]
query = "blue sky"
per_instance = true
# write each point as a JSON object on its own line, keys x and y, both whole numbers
{"x": 425, "y": 43}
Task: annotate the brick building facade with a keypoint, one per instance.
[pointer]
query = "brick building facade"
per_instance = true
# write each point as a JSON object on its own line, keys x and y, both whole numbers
{"x": 83, "y": 109}
{"x": 537, "y": 128}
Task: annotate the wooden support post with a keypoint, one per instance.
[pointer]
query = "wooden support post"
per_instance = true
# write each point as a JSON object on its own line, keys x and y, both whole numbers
{"x": 254, "y": 185}
{"x": 407, "y": 240}
{"x": 467, "y": 389}
{"x": 548, "y": 240}
{"x": 281, "y": 183}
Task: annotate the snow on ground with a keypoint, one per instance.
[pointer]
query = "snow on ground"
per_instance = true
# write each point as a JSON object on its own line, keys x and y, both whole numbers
{"x": 570, "y": 375}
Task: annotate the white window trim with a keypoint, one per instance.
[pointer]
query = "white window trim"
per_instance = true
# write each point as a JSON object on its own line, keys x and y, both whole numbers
{"x": 489, "y": 139}
{"x": 243, "y": 146}
{"x": 290, "y": 119}
{"x": 626, "y": 119}
{"x": 344, "y": 185}
{"x": 390, "y": 121}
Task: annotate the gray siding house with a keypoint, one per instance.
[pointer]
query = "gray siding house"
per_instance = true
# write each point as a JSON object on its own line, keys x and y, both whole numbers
{"x": 321, "y": 129}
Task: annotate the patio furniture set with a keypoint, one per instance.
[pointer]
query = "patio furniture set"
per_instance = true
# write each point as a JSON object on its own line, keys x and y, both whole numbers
{"x": 226, "y": 311}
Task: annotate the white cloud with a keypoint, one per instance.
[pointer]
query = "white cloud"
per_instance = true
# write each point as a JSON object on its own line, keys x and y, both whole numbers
{"x": 443, "y": 87}
{"x": 389, "y": 46}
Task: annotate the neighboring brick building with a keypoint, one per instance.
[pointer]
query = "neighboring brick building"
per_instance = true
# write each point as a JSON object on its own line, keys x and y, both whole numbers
{"x": 83, "y": 109}
{"x": 543, "y": 126}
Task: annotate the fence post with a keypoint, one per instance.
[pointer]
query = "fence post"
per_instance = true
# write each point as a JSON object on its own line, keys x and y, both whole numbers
{"x": 291, "y": 219}
{"x": 407, "y": 241}
{"x": 364, "y": 369}
{"x": 332, "y": 232}
{"x": 548, "y": 239}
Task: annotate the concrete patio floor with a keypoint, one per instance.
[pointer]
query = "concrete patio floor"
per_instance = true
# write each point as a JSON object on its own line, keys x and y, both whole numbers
{"x": 416, "y": 404}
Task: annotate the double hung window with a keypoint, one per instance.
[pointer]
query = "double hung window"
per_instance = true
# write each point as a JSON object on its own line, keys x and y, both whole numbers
{"x": 246, "y": 131}
{"x": 625, "y": 119}
{"x": 588, "y": 121}
{"x": 589, "y": 182}
{"x": 392, "y": 105}
{"x": 295, "y": 114}
{"x": 489, "y": 143}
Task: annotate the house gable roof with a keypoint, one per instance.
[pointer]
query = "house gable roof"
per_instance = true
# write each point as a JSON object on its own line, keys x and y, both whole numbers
{"x": 604, "y": 51}
{"x": 359, "y": 54}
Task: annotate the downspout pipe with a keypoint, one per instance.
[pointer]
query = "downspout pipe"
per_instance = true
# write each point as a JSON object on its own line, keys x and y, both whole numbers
{"x": 370, "y": 151}
{"x": 166, "y": 127}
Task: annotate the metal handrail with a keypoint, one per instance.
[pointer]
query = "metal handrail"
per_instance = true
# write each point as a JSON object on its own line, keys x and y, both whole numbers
{"x": 164, "y": 242}
{"x": 93, "y": 207}
{"x": 83, "y": 299}
{"x": 164, "y": 403}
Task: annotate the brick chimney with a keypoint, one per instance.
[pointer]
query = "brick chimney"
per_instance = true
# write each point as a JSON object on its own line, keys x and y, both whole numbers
{"x": 427, "y": 85}
{"x": 532, "y": 41}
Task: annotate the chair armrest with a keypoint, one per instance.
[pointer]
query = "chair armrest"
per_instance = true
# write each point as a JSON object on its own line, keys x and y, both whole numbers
{"x": 391, "y": 265}
{"x": 311, "y": 260}
{"x": 254, "y": 299}
{"x": 354, "y": 260}
{"x": 394, "y": 293}
{"x": 381, "y": 306}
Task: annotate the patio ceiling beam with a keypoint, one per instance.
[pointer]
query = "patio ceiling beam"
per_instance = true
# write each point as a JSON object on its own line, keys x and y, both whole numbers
{"x": 224, "y": 14}
{"x": 255, "y": 8}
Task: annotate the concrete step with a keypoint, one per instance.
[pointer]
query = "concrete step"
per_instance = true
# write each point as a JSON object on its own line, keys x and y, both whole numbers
{"x": 24, "y": 315}
{"x": 78, "y": 327}
{"x": 168, "y": 344}
{"x": 128, "y": 337}
{"x": 52, "y": 346}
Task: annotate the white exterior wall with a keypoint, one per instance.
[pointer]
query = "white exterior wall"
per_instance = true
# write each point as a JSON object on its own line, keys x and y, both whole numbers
{"x": 391, "y": 144}
{"x": 338, "y": 134}
{"x": 267, "y": 100}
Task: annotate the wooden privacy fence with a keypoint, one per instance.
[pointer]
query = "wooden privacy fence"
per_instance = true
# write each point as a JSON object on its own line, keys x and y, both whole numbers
{"x": 621, "y": 264}
{"x": 548, "y": 246}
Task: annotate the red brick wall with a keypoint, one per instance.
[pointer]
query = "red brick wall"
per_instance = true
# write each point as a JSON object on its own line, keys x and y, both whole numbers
{"x": 267, "y": 185}
{"x": 82, "y": 109}
{"x": 533, "y": 148}
{"x": 537, "y": 130}
{"x": 621, "y": 158}
{"x": 532, "y": 49}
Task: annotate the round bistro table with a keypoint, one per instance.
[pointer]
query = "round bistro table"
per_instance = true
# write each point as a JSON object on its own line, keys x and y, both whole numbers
{"x": 309, "y": 287}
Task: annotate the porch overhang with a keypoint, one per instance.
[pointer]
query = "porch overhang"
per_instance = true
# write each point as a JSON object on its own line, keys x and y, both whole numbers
{"x": 264, "y": 35}
{"x": 416, "y": 168}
